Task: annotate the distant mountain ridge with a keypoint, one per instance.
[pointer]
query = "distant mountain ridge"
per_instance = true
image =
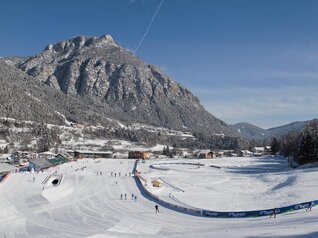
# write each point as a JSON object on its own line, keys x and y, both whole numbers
{"x": 94, "y": 81}
{"x": 250, "y": 131}
{"x": 294, "y": 126}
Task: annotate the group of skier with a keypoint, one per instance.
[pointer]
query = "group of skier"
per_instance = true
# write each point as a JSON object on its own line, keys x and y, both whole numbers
{"x": 133, "y": 197}
{"x": 119, "y": 174}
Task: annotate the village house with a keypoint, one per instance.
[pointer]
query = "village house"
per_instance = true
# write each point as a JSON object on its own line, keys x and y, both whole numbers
{"x": 39, "y": 164}
{"x": 43, "y": 163}
{"x": 70, "y": 153}
{"x": 268, "y": 150}
{"x": 58, "y": 159}
{"x": 138, "y": 154}
{"x": 258, "y": 151}
{"x": 23, "y": 155}
{"x": 5, "y": 158}
{"x": 46, "y": 155}
{"x": 120, "y": 155}
{"x": 245, "y": 153}
{"x": 205, "y": 154}
{"x": 228, "y": 153}
{"x": 220, "y": 153}
{"x": 79, "y": 154}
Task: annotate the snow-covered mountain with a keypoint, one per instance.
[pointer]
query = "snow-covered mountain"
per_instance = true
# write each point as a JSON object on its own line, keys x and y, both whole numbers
{"x": 100, "y": 71}
{"x": 26, "y": 98}
{"x": 250, "y": 131}
{"x": 284, "y": 129}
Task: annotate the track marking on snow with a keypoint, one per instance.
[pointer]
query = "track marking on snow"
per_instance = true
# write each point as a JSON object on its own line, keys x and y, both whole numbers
{"x": 135, "y": 226}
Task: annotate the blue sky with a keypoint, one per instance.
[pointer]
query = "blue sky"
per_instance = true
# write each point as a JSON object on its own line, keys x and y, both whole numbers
{"x": 247, "y": 60}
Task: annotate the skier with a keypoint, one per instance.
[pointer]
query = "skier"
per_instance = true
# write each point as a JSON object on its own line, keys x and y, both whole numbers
{"x": 125, "y": 196}
{"x": 132, "y": 196}
{"x": 33, "y": 179}
{"x": 310, "y": 205}
{"x": 273, "y": 213}
{"x": 157, "y": 208}
{"x": 135, "y": 198}
{"x": 121, "y": 196}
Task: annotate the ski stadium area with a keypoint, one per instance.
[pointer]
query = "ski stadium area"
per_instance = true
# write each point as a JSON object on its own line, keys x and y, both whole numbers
{"x": 196, "y": 198}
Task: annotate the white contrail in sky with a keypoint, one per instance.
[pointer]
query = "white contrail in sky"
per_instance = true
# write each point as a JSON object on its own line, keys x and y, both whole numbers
{"x": 146, "y": 32}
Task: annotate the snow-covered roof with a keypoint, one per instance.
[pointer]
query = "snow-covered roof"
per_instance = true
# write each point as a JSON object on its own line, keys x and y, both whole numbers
{"x": 47, "y": 153}
{"x": 204, "y": 151}
{"x": 93, "y": 152}
{"x": 259, "y": 148}
{"x": 41, "y": 163}
{"x": 118, "y": 153}
{"x": 4, "y": 156}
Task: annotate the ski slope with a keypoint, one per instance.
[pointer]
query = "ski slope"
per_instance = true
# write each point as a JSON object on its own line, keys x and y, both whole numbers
{"x": 85, "y": 204}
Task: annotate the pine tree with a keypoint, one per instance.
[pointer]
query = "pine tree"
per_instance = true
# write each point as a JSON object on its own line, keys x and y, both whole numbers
{"x": 274, "y": 146}
{"x": 164, "y": 151}
{"x": 305, "y": 149}
{"x": 308, "y": 144}
{"x": 168, "y": 151}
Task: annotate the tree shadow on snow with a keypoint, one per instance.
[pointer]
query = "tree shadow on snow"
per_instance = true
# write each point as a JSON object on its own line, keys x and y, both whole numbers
{"x": 262, "y": 165}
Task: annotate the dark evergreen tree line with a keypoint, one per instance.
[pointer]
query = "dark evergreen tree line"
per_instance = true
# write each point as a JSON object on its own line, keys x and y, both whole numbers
{"x": 303, "y": 147}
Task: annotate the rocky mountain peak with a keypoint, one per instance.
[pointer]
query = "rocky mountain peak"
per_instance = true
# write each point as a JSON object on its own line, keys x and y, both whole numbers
{"x": 79, "y": 42}
{"x": 99, "y": 68}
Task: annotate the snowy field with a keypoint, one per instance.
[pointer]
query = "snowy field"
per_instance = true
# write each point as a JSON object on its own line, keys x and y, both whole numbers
{"x": 85, "y": 204}
{"x": 231, "y": 184}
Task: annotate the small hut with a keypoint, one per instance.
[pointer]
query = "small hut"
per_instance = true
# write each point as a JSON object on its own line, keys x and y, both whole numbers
{"x": 156, "y": 183}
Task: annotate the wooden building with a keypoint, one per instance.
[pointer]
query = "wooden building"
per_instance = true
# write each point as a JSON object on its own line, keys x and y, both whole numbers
{"x": 79, "y": 154}
{"x": 138, "y": 155}
{"x": 206, "y": 154}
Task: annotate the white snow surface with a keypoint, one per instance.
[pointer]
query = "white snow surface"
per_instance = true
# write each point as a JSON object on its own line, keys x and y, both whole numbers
{"x": 241, "y": 184}
{"x": 88, "y": 205}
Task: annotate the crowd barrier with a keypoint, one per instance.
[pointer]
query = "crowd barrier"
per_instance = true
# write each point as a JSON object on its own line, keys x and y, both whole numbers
{"x": 217, "y": 214}
{"x": 259, "y": 213}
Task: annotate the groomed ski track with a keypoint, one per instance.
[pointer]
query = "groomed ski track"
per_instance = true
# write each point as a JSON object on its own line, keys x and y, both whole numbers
{"x": 88, "y": 205}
